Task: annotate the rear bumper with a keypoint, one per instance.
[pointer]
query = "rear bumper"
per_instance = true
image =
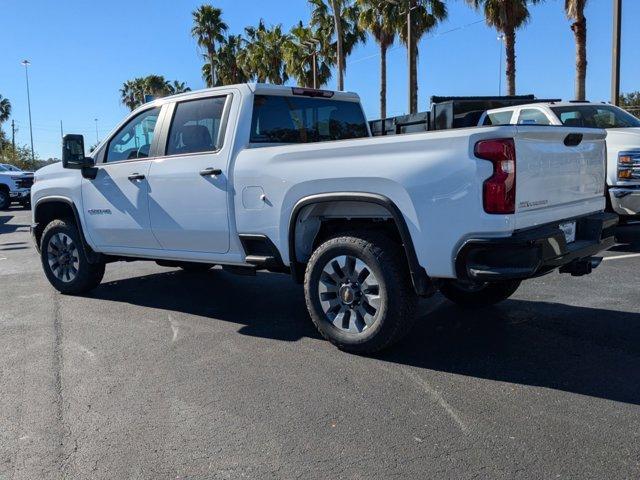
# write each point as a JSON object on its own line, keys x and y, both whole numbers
{"x": 535, "y": 251}
{"x": 625, "y": 200}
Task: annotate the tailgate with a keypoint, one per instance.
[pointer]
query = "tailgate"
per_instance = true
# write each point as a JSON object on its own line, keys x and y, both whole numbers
{"x": 558, "y": 167}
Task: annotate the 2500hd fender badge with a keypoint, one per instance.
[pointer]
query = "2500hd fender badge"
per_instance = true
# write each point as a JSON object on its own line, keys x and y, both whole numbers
{"x": 99, "y": 211}
{"x": 536, "y": 203}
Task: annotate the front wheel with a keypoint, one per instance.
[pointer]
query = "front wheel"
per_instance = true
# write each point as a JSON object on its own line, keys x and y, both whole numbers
{"x": 358, "y": 292}
{"x": 478, "y": 294}
{"x": 5, "y": 199}
{"x": 64, "y": 261}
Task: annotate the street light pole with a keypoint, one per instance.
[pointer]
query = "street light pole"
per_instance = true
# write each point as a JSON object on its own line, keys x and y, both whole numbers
{"x": 96, "y": 120}
{"x": 26, "y": 64}
{"x": 501, "y": 39}
{"x": 615, "y": 53}
{"x": 313, "y": 44}
{"x": 410, "y": 58}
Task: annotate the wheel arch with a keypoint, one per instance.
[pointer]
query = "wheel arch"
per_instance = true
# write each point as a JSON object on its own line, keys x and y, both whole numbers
{"x": 381, "y": 203}
{"x": 47, "y": 209}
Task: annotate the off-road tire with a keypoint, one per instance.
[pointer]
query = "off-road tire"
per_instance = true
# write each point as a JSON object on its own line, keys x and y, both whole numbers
{"x": 397, "y": 298}
{"x": 5, "y": 199}
{"x": 489, "y": 294}
{"x": 89, "y": 275}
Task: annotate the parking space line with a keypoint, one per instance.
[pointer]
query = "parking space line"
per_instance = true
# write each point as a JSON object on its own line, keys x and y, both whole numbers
{"x": 620, "y": 257}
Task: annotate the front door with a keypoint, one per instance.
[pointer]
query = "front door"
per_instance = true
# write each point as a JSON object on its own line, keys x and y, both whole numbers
{"x": 116, "y": 202}
{"x": 188, "y": 185}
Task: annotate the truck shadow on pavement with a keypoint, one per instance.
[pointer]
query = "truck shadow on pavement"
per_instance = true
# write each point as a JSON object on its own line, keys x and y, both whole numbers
{"x": 582, "y": 350}
{"x": 5, "y": 226}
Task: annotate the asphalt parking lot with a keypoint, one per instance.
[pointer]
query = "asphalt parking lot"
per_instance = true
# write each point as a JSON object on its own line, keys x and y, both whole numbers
{"x": 161, "y": 374}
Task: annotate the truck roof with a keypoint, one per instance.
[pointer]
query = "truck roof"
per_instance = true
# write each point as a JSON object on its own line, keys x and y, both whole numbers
{"x": 255, "y": 88}
{"x": 549, "y": 104}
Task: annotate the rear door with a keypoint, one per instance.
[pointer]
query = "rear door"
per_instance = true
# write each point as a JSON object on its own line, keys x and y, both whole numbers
{"x": 115, "y": 202}
{"x": 558, "y": 169}
{"x": 188, "y": 183}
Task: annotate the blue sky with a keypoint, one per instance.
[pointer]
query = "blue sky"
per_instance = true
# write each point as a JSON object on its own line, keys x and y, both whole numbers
{"x": 82, "y": 51}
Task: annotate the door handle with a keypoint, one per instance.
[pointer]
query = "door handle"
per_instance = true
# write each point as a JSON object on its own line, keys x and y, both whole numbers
{"x": 136, "y": 176}
{"x": 207, "y": 172}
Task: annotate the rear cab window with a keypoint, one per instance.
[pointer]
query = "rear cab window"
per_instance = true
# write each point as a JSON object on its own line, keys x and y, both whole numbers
{"x": 290, "y": 119}
{"x": 498, "y": 118}
{"x": 532, "y": 116}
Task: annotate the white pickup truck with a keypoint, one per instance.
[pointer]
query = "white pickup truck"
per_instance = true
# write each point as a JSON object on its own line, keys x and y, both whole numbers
{"x": 259, "y": 177}
{"x": 15, "y": 186}
{"x": 623, "y": 142}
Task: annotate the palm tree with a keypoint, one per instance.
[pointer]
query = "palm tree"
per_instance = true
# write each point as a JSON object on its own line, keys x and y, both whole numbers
{"x": 425, "y": 16}
{"x": 381, "y": 19}
{"x": 337, "y": 19}
{"x": 5, "y": 109}
{"x": 133, "y": 92}
{"x": 228, "y": 69}
{"x": 300, "y": 54}
{"x": 176, "y": 87}
{"x": 263, "y": 56}
{"x": 507, "y": 16}
{"x": 208, "y": 29}
{"x": 575, "y": 12}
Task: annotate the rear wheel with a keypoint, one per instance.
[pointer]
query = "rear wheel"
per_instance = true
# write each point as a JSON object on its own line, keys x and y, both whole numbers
{"x": 64, "y": 261}
{"x": 358, "y": 292}
{"x": 478, "y": 294}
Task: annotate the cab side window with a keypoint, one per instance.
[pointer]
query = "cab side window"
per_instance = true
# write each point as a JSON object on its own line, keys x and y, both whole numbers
{"x": 135, "y": 138}
{"x": 532, "y": 116}
{"x": 196, "y": 126}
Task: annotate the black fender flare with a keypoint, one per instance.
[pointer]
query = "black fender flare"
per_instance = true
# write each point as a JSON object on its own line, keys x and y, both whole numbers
{"x": 92, "y": 256}
{"x": 420, "y": 279}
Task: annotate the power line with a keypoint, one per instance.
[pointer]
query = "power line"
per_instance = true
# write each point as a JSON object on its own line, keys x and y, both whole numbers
{"x": 435, "y": 35}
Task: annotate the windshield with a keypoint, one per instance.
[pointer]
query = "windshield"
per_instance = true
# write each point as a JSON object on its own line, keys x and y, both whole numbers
{"x": 595, "y": 116}
{"x": 3, "y": 168}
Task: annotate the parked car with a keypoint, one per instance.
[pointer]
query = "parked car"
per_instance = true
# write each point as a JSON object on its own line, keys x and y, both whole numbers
{"x": 15, "y": 186}
{"x": 623, "y": 142}
{"x": 260, "y": 177}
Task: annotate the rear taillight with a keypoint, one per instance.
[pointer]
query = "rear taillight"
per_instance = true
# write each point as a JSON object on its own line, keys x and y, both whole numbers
{"x": 499, "y": 191}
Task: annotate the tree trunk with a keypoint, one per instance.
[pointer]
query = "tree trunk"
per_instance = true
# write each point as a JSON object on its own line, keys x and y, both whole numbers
{"x": 412, "y": 54}
{"x": 510, "y": 47}
{"x": 383, "y": 81}
{"x": 339, "y": 53}
{"x": 211, "y": 51}
{"x": 580, "y": 33}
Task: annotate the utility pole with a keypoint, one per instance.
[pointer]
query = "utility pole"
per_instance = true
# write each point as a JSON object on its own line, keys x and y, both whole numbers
{"x": 13, "y": 136}
{"x": 61, "y": 131}
{"x": 615, "y": 53}
{"x": 96, "y": 120}
{"x": 26, "y": 64}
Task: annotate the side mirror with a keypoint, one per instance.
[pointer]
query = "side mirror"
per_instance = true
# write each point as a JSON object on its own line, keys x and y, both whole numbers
{"x": 73, "y": 153}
